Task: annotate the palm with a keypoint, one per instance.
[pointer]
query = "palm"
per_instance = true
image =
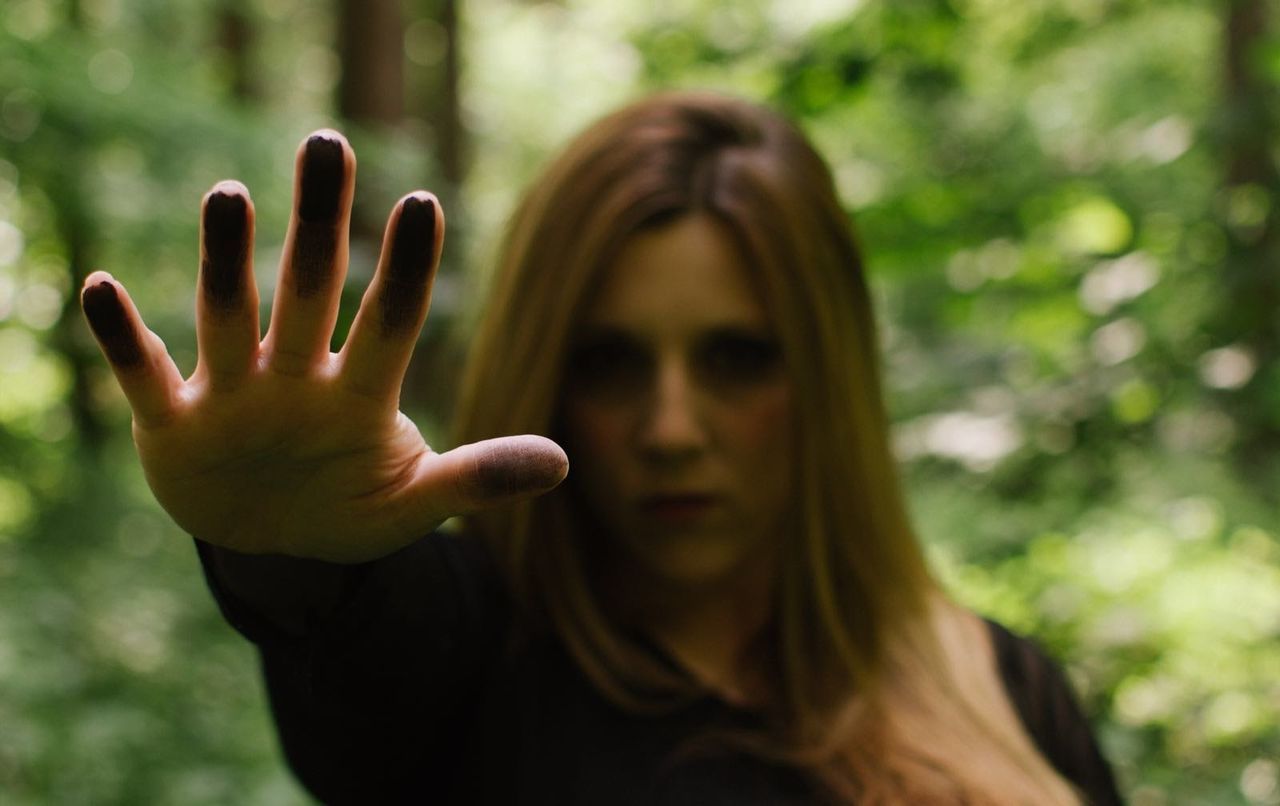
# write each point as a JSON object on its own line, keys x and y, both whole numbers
{"x": 280, "y": 446}
{"x": 311, "y": 464}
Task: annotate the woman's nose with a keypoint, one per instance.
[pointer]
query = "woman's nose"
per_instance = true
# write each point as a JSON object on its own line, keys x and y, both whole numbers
{"x": 673, "y": 425}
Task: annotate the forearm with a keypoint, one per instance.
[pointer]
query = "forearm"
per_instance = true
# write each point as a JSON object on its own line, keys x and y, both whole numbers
{"x": 288, "y": 596}
{"x": 372, "y": 670}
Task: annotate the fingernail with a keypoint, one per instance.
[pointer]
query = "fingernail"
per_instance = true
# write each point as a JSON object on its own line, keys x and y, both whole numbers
{"x": 412, "y": 248}
{"x": 107, "y": 319}
{"x": 323, "y": 171}
{"x": 226, "y": 245}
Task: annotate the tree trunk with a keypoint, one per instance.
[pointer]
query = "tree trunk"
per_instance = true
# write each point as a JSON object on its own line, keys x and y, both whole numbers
{"x": 436, "y": 102}
{"x": 447, "y": 111}
{"x": 371, "y": 48}
{"x": 78, "y": 232}
{"x": 1250, "y": 315}
{"x": 234, "y": 30}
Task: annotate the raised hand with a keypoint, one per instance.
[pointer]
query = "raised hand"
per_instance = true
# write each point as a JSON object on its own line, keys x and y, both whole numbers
{"x": 280, "y": 446}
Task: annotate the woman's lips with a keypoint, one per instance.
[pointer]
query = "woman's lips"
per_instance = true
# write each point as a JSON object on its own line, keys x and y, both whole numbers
{"x": 678, "y": 507}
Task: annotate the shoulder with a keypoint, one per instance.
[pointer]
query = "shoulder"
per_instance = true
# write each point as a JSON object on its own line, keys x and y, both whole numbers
{"x": 1044, "y": 700}
{"x": 1029, "y": 675}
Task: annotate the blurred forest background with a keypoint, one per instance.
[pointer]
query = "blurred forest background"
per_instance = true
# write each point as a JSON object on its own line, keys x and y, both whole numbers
{"x": 1071, "y": 216}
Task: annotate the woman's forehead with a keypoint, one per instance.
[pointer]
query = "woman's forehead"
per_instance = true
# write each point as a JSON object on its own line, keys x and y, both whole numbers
{"x": 687, "y": 273}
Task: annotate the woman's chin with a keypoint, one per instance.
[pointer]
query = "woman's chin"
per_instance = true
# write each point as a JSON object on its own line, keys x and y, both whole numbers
{"x": 689, "y": 563}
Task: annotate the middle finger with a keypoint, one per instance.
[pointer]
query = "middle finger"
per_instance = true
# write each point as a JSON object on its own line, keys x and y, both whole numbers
{"x": 314, "y": 263}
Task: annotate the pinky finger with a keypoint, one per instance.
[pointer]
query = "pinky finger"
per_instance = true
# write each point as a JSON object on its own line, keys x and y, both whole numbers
{"x": 141, "y": 365}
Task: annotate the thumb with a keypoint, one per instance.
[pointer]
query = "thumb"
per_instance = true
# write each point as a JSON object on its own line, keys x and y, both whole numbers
{"x": 486, "y": 474}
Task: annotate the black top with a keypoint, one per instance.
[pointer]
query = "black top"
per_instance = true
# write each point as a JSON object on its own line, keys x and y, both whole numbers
{"x": 406, "y": 694}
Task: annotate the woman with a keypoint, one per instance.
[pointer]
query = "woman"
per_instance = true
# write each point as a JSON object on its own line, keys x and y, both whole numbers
{"x": 725, "y": 603}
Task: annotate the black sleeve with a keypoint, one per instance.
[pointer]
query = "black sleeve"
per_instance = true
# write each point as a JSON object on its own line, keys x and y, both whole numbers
{"x": 1043, "y": 698}
{"x": 372, "y": 700}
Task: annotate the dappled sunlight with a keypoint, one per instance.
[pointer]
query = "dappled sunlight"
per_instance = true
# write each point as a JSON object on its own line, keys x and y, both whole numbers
{"x": 1077, "y": 326}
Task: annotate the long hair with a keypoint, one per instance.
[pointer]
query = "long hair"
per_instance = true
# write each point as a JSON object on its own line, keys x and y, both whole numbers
{"x": 886, "y": 690}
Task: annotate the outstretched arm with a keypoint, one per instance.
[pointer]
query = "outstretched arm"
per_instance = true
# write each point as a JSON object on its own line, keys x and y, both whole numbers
{"x": 277, "y": 446}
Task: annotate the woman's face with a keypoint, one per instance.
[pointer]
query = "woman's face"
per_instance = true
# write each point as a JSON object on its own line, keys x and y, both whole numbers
{"x": 678, "y": 411}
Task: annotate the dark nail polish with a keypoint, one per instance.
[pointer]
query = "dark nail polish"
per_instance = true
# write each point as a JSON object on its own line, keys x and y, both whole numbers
{"x": 511, "y": 468}
{"x": 316, "y": 238}
{"x": 323, "y": 171}
{"x": 226, "y": 248}
{"x": 315, "y": 248}
{"x": 409, "y": 264}
{"x": 105, "y": 312}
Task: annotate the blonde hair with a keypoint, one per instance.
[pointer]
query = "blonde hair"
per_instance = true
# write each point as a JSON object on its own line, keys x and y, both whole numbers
{"x": 886, "y": 690}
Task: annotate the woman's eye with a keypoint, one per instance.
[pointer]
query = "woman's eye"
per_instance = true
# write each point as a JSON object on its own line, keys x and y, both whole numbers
{"x": 739, "y": 358}
{"x": 609, "y": 366}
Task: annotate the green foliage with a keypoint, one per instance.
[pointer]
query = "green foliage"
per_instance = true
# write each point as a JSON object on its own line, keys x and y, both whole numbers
{"x": 1085, "y": 409}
